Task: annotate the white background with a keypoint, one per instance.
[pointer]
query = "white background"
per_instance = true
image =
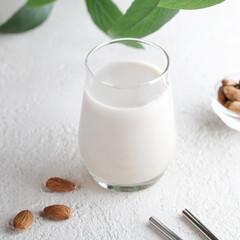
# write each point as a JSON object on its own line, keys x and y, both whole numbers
{"x": 41, "y": 79}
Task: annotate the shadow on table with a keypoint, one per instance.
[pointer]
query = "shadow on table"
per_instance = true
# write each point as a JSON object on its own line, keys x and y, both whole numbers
{"x": 209, "y": 121}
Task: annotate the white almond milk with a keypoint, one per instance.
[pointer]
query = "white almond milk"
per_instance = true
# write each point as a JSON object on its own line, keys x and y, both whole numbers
{"x": 131, "y": 144}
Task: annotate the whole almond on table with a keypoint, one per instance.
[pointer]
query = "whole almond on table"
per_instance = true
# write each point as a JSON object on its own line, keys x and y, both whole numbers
{"x": 58, "y": 212}
{"x": 235, "y": 107}
{"x": 232, "y": 93}
{"x": 228, "y": 82}
{"x": 23, "y": 220}
{"x": 60, "y": 185}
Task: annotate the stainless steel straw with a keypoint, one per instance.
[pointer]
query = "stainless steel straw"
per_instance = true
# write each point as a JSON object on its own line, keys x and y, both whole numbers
{"x": 163, "y": 229}
{"x": 203, "y": 229}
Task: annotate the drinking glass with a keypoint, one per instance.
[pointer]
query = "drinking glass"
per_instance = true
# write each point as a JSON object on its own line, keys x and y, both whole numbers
{"x": 127, "y": 133}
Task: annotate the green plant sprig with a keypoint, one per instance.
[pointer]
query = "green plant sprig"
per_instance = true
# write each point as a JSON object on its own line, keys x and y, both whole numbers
{"x": 141, "y": 19}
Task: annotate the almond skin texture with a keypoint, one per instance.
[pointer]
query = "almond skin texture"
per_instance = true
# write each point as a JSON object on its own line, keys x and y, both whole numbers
{"x": 227, "y": 104}
{"x": 235, "y": 107}
{"x": 60, "y": 185}
{"x": 23, "y": 220}
{"x": 232, "y": 93}
{"x": 228, "y": 82}
{"x": 221, "y": 97}
{"x": 58, "y": 212}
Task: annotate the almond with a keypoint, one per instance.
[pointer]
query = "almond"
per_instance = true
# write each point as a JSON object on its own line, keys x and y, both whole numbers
{"x": 227, "y": 104}
{"x": 232, "y": 93}
{"x": 228, "y": 82}
{"x": 221, "y": 97}
{"x": 58, "y": 212}
{"x": 60, "y": 185}
{"x": 235, "y": 107}
{"x": 23, "y": 220}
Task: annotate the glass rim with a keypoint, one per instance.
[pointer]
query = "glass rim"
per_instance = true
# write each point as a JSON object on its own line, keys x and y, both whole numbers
{"x": 119, "y": 40}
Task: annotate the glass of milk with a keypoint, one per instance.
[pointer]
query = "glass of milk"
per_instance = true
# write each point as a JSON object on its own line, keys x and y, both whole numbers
{"x": 127, "y": 133}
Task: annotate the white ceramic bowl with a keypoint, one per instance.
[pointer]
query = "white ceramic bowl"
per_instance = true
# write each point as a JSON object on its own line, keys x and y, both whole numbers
{"x": 231, "y": 119}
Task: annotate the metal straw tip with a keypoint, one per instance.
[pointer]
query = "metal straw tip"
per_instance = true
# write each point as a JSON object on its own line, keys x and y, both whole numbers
{"x": 185, "y": 211}
{"x": 163, "y": 229}
{"x": 151, "y": 218}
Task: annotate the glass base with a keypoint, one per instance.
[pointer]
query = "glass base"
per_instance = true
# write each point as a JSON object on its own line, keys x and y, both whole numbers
{"x": 126, "y": 188}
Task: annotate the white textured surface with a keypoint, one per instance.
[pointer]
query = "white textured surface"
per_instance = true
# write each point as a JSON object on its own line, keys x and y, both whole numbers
{"x": 8, "y": 8}
{"x": 41, "y": 78}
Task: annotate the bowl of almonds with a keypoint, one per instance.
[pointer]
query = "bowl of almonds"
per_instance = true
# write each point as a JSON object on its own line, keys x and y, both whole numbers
{"x": 226, "y": 101}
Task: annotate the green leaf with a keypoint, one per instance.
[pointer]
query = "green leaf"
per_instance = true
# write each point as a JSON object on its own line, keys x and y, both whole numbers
{"x": 26, "y": 18}
{"x": 142, "y": 18}
{"x": 104, "y": 13}
{"x": 37, "y": 3}
{"x": 188, "y": 4}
